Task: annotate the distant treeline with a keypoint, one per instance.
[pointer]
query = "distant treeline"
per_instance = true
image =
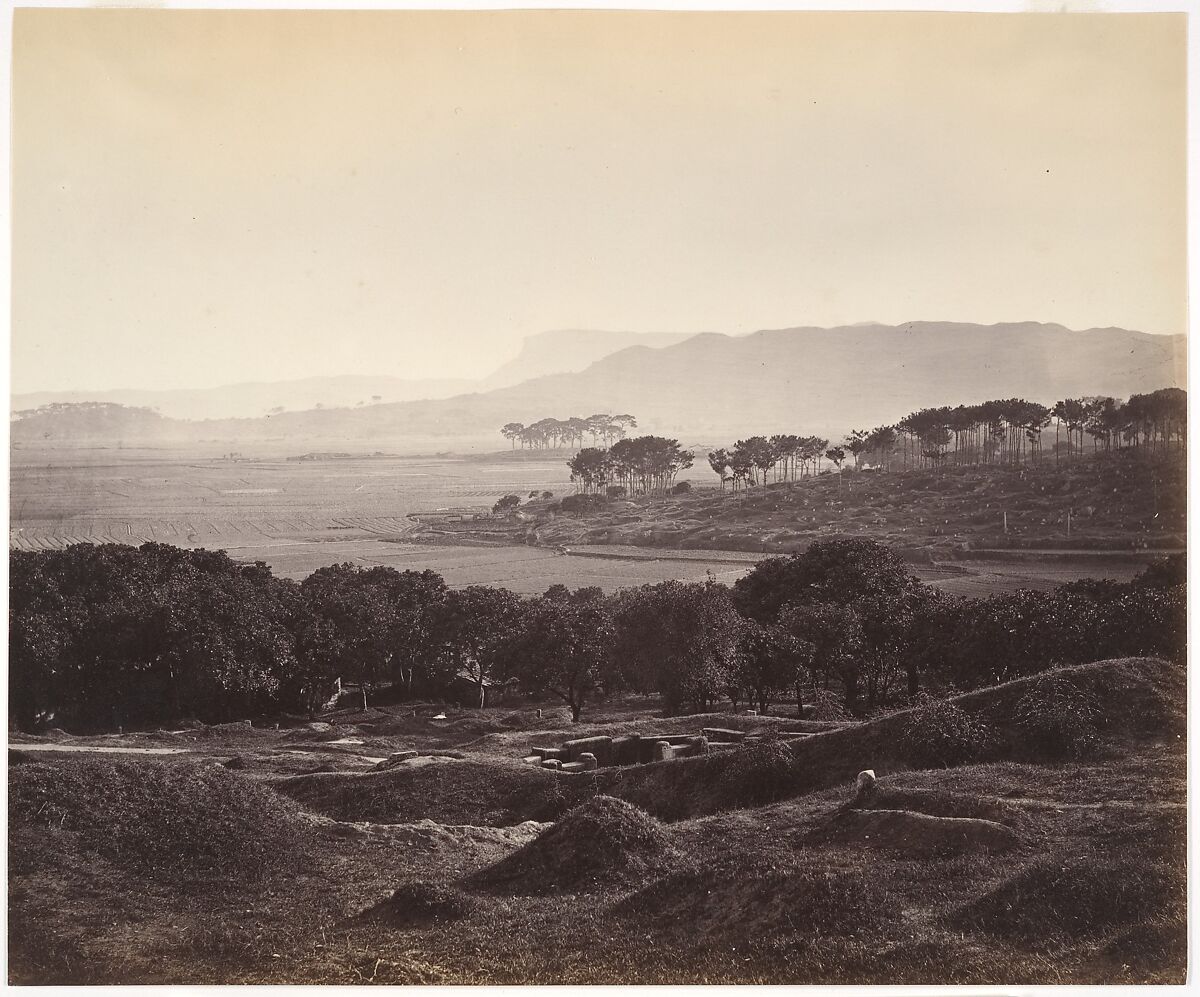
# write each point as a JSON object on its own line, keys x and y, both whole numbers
{"x": 545, "y": 433}
{"x": 1004, "y": 431}
{"x": 101, "y": 636}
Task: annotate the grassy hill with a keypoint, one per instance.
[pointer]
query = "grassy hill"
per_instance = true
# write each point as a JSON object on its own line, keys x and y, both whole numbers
{"x": 1119, "y": 502}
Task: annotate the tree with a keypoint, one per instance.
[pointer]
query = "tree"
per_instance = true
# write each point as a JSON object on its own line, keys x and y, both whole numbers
{"x": 679, "y": 639}
{"x": 511, "y": 431}
{"x": 506, "y": 504}
{"x": 834, "y": 571}
{"x": 769, "y": 659}
{"x": 566, "y": 646}
{"x": 718, "y": 460}
{"x": 473, "y": 631}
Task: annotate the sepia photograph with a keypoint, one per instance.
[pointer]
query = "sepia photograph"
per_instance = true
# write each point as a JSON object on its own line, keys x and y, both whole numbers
{"x": 594, "y": 496}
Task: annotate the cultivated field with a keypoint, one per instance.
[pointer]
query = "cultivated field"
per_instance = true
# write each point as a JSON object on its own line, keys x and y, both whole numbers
{"x": 299, "y": 515}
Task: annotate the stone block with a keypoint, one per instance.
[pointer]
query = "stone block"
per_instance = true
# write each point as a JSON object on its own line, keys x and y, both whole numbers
{"x": 663, "y": 751}
{"x": 588, "y": 761}
{"x": 532, "y": 759}
{"x": 625, "y": 749}
{"x": 551, "y": 763}
{"x": 574, "y": 767}
{"x": 723, "y": 736}
{"x": 559, "y": 753}
{"x": 601, "y": 747}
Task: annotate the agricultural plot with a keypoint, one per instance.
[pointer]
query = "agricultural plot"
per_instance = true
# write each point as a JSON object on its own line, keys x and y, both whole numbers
{"x": 299, "y": 515}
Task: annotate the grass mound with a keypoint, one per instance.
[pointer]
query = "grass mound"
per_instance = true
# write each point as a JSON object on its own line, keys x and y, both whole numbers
{"x": 425, "y": 903}
{"x": 937, "y": 803}
{"x": 602, "y": 841}
{"x": 1059, "y": 898}
{"x": 744, "y": 898}
{"x": 163, "y": 819}
{"x": 459, "y": 791}
{"x": 1155, "y": 947}
{"x": 914, "y": 834}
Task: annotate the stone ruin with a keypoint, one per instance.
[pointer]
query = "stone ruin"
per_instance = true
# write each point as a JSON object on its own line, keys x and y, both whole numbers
{"x": 586, "y": 753}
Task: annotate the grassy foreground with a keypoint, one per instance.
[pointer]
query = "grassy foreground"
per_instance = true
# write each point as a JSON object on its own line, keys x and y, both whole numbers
{"x": 1015, "y": 867}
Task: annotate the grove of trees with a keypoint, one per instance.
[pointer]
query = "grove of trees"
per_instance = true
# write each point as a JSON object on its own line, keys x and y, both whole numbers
{"x": 1006, "y": 431}
{"x": 558, "y": 433}
{"x": 112, "y": 635}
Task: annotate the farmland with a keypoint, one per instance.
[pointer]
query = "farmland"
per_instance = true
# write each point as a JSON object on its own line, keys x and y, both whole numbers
{"x": 299, "y": 515}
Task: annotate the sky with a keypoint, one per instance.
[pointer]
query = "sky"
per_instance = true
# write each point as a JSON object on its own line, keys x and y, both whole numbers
{"x": 207, "y": 197}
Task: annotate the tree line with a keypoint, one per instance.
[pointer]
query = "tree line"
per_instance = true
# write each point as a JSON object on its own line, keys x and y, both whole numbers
{"x": 109, "y": 635}
{"x": 637, "y": 466}
{"x": 1004, "y": 431}
{"x": 557, "y": 433}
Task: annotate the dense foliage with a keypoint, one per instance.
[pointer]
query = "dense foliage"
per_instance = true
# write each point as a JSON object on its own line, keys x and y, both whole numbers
{"x": 110, "y": 635}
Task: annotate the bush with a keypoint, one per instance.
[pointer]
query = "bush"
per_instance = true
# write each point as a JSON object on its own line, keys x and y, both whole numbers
{"x": 615, "y": 491}
{"x": 827, "y": 707}
{"x": 506, "y": 504}
{"x": 1058, "y": 719}
{"x": 758, "y": 774}
{"x": 681, "y": 488}
{"x": 580, "y": 504}
{"x": 939, "y": 734}
{"x": 547, "y": 495}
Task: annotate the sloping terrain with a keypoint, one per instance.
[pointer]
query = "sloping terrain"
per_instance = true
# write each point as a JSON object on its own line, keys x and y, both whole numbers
{"x": 769, "y": 867}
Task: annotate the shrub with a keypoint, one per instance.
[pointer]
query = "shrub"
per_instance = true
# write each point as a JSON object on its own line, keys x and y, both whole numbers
{"x": 1057, "y": 718}
{"x": 506, "y": 504}
{"x": 582, "y": 503}
{"x": 681, "y": 488}
{"x": 939, "y": 734}
{"x": 827, "y": 707}
{"x": 615, "y": 491}
{"x": 758, "y": 774}
{"x": 547, "y": 495}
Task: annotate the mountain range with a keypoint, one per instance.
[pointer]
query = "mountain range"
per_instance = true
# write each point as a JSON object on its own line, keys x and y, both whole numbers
{"x": 558, "y": 352}
{"x": 800, "y": 380}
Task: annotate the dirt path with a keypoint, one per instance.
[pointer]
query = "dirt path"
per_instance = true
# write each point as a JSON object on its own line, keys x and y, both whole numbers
{"x": 104, "y": 749}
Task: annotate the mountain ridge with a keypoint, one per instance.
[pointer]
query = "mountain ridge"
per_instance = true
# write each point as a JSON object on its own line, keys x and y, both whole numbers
{"x": 796, "y": 379}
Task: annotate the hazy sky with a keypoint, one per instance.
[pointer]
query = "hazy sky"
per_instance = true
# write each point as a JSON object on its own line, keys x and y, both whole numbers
{"x": 203, "y": 197}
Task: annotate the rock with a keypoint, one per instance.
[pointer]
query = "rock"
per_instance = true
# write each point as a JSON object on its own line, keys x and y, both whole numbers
{"x": 864, "y": 784}
{"x": 190, "y": 723}
{"x": 663, "y": 751}
{"x": 532, "y": 759}
{"x": 600, "y": 747}
{"x": 588, "y": 761}
{"x": 320, "y": 726}
{"x": 559, "y": 753}
{"x": 573, "y": 767}
{"x": 551, "y": 763}
{"x": 723, "y": 735}
{"x": 236, "y": 762}
{"x": 394, "y": 759}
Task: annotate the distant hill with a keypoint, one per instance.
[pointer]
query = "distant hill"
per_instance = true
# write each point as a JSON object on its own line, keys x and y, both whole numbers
{"x": 257, "y": 398}
{"x": 805, "y": 380}
{"x": 566, "y": 351}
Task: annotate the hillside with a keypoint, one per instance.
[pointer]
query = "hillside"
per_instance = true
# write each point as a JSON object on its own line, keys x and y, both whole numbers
{"x": 825, "y": 381}
{"x": 566, "y": 351}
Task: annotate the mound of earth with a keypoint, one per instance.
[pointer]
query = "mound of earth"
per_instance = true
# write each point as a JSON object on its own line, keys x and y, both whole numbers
{"x": 603, "y": 841}
{"x": 914, "y": 834}
{"x": 423, "y": 903}
{"x": 1078, "y": 897}
{"x": 163, "y": 819}
{"x": 745, "y": 897}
